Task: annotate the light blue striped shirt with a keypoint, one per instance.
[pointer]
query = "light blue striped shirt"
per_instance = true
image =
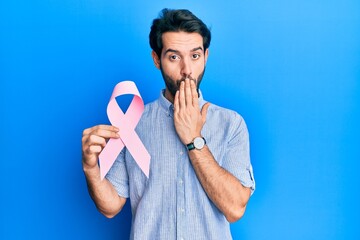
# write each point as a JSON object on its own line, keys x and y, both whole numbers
{"x": 171, "y": 203}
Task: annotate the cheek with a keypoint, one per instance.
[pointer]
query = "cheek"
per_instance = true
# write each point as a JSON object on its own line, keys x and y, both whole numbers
{"x": 199, "y": 68}
{"x": 171, "y": 70}
{"x": 169, "y": 66}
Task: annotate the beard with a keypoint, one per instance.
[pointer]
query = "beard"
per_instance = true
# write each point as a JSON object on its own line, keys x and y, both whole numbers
{"x": 173, "y": 85}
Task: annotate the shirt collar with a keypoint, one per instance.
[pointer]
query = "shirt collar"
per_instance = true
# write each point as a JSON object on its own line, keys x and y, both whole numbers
{"x": 168, "y": 107}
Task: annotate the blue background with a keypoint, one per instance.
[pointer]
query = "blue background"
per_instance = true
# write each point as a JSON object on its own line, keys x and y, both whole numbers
{"x": 290, "y": 68}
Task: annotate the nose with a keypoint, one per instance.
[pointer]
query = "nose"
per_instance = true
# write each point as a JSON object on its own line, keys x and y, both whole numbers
{"x": 186, "y": 69}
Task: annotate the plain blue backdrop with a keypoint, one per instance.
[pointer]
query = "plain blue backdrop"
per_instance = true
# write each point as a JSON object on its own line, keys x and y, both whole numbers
{"x": 290, "y": 68}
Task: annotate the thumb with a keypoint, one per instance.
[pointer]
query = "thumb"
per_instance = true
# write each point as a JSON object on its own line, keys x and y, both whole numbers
{"x": 204, "y": 110}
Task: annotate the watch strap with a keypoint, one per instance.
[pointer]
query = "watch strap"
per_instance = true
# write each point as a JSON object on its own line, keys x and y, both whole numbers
{"x": 190, "y": 146}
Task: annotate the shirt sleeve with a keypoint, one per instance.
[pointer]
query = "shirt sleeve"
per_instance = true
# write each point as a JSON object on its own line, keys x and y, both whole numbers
{"x": 118, "y": 175}
{"x": 237, "y": 156}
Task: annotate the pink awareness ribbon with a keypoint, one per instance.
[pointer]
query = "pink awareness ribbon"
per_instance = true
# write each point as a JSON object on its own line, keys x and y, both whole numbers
{"x": 126, "y": 124}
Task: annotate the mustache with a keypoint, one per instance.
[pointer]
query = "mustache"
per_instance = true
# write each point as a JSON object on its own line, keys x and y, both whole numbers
{"x": 178, "y": 82}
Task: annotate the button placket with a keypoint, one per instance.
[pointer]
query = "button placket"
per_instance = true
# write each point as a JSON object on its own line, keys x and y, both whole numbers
{"x": 181, "y": 216}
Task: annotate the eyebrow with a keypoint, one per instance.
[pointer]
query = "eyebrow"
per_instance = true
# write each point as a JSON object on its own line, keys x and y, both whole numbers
{"x": 198, "y": 48}
{"x": 178, "y": 52}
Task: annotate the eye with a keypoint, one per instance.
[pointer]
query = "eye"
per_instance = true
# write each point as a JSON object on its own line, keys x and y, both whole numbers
{"x": 174, "y": 57}
{"x": 196, "y": 56}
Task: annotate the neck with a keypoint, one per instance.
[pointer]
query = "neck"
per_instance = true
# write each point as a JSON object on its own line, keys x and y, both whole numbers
{"x": 169, "y": 96}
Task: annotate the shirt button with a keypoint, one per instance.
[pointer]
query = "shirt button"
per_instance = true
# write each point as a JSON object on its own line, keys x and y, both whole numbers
{"x": 181, "y": 238}
{"x": 182, "y": 210}
{"x": 181, "y": 152}
{"x": 180, "y": 181}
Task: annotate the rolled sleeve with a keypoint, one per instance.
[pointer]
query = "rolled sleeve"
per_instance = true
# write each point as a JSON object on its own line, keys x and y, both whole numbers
{"x": 237, "y": 157}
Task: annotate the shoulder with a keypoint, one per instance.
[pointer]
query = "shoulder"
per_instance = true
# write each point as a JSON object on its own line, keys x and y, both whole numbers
{"x": 224, "y": 114}
{"x": 224, "y": 120}
{"x": 151, "y": 106}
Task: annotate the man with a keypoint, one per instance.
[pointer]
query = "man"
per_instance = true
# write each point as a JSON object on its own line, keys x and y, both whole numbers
{"x": 200, "y": 172}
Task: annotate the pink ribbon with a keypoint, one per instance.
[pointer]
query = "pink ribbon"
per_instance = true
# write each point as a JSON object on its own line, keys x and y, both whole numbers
{"x": 126, "y": 124}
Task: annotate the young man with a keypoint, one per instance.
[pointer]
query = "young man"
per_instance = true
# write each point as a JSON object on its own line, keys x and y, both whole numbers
{"x": 200, "y": 174}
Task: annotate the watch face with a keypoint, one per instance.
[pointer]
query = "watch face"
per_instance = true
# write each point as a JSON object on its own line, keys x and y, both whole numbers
{"x": 199, "y": 143}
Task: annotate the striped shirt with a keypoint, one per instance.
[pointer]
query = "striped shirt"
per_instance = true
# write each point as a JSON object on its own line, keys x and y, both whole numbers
{"x": 171, "y": 203}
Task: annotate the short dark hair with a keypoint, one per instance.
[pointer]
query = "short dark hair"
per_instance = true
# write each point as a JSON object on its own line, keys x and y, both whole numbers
{"x": 176, "y": 21}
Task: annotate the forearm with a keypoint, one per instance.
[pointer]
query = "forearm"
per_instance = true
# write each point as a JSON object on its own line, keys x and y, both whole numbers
{"x": 105, "y": 197}
{"x": 225, "y": 190}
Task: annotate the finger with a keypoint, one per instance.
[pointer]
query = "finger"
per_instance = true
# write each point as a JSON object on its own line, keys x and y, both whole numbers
{"x": 182, "y": 95}
{"x": 92, "y": 140}
{"x": 204, "y": 110}
{"x": 105, "y": 133}
{"x": 95, "y": 149}
{"x": 176, "y": 102}
{"x": 96, "y": 140}
{"x": 101, "y": 126}
{"x": 195, "y": 95}
{"x": 188, "y": 94}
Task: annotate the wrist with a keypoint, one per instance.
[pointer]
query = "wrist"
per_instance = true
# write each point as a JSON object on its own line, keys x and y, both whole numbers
{"x": 190, "y": 138}
{"x": 91, "y": 170}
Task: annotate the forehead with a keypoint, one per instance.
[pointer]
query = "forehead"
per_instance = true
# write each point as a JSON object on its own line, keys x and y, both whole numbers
{"x": 181, "y": 41}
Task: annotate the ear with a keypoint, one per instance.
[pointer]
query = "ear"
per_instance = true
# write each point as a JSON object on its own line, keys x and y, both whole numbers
{"x": 155, "y": 59}
{"x": 206, "y": 55}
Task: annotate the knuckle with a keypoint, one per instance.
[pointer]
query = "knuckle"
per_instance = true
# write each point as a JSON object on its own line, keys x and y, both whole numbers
{"x": 84, "y": 139}
{"x": 87, "y": 151}
{"x": 89, "y": 130}
{"x": 96, "y": 132}
{"x": 86, "y": 131}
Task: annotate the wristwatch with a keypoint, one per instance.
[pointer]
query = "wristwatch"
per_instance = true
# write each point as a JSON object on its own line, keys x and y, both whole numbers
{"x": 198, "y": 143}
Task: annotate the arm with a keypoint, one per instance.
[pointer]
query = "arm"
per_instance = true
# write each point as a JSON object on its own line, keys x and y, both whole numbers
{"x": 225, "y": 190}
{"x": 105, "y": 197}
